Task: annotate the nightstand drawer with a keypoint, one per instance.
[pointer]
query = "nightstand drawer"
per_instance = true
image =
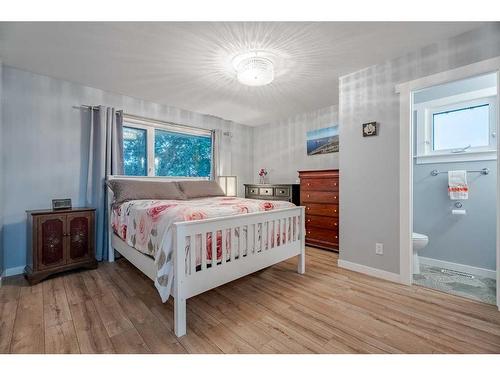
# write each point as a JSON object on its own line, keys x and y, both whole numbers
{"x": 282, "y": 191}
{"x": 252, "y": 190}
{"x": 266, "y": 191}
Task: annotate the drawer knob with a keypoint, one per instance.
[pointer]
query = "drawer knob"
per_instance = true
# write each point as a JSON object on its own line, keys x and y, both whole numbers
{"x": 308, "y": 196}
{"x": 336, "y": 237}
{"x": 335, "y": 197}
{"x": 308, "y": 208}
{"x": 308, "y": 184}
{"x": 335, "y": 224}
{"x": 308, "y": 220}
{"x": 335, "y": 210}
{"x": 308, "y": 232}
{"x": 334, "y": 184}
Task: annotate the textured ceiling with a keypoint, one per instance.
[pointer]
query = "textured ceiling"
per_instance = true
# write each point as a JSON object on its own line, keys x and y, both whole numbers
{"x": 188, "y": 65}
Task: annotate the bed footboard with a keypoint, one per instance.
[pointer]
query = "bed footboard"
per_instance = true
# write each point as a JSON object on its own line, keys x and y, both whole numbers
{"x": 256, "y": 241}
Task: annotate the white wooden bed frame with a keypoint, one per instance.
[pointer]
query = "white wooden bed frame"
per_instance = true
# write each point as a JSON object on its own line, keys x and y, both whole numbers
{"x": 188, "y": 281}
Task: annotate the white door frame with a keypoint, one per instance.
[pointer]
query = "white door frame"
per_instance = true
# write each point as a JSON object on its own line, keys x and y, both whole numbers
{"x": 406, "y": 157}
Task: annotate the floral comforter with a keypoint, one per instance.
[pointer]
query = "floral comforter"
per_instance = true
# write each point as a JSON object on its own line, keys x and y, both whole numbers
{"x": 146, "y": 225}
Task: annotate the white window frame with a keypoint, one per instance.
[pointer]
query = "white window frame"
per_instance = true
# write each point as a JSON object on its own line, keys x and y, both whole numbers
{"x": 150, "y": 126}
{"x": 425, "y": 154}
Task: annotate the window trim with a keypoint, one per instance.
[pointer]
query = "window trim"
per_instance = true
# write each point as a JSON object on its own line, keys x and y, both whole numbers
{"x": 150, "y": 125}
{"x": 423, "y": 112}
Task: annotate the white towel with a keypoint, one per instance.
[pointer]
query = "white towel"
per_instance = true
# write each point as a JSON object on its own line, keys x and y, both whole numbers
{"x": 457, "y": 185}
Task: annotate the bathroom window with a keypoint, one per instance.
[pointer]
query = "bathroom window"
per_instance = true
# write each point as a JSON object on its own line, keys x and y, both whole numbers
{"x": 462, "y": 128}
{"x": 456, "y": 132}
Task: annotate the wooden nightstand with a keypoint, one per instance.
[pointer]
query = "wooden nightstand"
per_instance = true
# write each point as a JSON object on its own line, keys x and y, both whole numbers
{"x": 59, "y": 240}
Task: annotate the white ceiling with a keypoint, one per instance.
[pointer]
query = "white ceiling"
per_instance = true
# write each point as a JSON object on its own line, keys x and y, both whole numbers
{"x": 188, "y": 65}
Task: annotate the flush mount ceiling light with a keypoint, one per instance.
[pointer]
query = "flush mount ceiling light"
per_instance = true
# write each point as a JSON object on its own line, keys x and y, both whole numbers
{"x": 254, "y": 68}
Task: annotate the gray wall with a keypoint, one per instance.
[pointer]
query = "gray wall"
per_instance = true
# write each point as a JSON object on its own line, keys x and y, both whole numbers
{"x": 469, "y": 239}
{"x": 369, "y": 184}
{"x": 281, "y": 146}
{"x": 45, "y": 147}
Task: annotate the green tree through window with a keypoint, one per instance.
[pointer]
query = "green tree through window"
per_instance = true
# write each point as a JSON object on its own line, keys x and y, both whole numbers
{"x": 134, "y": 152}
{"x": 179, "y": 154}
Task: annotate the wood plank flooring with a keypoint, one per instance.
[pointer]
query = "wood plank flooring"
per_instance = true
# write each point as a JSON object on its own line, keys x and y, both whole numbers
{"x": 116, "y": 309}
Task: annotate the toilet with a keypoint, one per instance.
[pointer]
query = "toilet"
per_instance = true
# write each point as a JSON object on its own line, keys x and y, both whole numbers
{"x": 419, "y": 242}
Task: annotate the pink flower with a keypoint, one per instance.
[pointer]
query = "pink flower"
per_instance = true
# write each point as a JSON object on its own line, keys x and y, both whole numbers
{"x": 195, "y": 215}
{"x": 209, "y": 245}
{"x": 266, "y": 206}
{"x": 242, "y": 208}
{"x": 156, "y": 212}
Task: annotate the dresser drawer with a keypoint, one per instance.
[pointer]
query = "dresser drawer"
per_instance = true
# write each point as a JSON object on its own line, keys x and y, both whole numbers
{"x": 320, "y": 196}
{"x": 282, "y": 191}
{"x": 322, "y": 222}
{"x": 320, "y": 209}
{"x": 320, "y": 184}
{"x": 323, "y": 235}
{"x": 252, "y": 190}
{"x": 266, "y": 191}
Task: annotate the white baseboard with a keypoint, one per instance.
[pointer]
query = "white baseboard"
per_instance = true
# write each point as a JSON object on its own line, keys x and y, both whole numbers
{"x": 13, "y": 271}
{"x": 482, "y": 272}
{"x": 375, "y": 272}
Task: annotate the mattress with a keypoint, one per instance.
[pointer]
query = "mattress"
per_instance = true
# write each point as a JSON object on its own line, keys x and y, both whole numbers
{"x": 146, "y": 225}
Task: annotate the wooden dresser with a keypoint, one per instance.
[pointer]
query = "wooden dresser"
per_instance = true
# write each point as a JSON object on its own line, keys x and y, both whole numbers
{"x": 319, "y": 193}
{"x": 59, "y": 240}
{"x": 281, "y": 192}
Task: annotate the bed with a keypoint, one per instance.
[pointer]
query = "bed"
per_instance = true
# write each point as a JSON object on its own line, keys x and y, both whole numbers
{"x": 190, "y": 246}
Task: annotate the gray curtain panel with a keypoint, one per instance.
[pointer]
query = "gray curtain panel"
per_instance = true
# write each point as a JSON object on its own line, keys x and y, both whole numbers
{"x": 105, "y": 158}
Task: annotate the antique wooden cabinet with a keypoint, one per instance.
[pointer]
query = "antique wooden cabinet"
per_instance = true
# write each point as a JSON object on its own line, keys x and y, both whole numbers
{"x": 319, "y": 193}
{"x": 59, "y": 240}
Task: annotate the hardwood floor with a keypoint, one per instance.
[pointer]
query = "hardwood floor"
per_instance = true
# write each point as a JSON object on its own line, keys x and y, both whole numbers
{"x": 116, "y": 309}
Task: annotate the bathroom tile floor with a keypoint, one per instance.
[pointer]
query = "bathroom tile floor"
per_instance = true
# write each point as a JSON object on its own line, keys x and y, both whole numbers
{"x": 478, "y": 288}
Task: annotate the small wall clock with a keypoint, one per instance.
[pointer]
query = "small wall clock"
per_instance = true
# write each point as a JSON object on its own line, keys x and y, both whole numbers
{"x": 369, "y": 129}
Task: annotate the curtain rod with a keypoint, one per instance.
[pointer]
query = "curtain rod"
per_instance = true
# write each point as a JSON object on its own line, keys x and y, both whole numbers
{"x": 142, "y": 118}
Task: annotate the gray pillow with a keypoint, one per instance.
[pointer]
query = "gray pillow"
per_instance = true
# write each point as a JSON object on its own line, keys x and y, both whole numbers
{"x": 126, "y": 190}
{"x": 200, "y": 189}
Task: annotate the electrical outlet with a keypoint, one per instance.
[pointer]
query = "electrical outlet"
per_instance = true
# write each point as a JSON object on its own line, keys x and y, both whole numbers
{"x": 379, "y": 248}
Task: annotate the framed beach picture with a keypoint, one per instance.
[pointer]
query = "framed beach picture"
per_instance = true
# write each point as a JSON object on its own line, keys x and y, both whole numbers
{"x": 323, "y": 141}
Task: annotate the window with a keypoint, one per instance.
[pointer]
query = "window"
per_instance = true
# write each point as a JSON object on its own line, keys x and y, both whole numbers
{"x": 134, "y": 152}
{"x": 456, "y": 131}
{"x": 461, "y": 129}
{"x": 179, "y": 154}
{"x": 153, "y": 148}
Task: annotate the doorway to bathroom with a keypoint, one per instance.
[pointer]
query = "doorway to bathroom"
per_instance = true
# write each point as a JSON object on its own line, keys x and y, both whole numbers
{"x": 449, "y": 188}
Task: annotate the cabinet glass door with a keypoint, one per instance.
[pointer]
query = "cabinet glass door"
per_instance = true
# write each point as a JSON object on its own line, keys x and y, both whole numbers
{"x": 79, "y": 230}
{"x": 51, "y": 241}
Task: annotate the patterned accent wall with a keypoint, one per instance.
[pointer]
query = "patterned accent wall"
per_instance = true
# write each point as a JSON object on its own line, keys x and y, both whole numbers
{"x": 369, "y": 184}
{"x": 46, "y": 145}
{"x": 280, "y": 147}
